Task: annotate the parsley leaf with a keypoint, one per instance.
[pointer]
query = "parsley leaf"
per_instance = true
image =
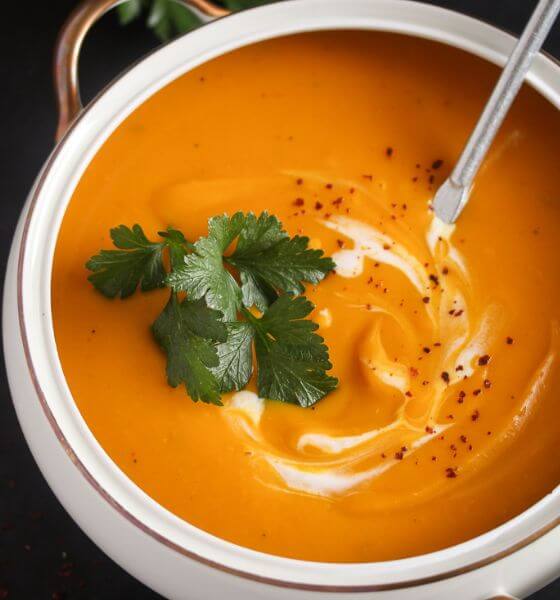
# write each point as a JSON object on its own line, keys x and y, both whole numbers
{"x": 203, "y": 273}
{"x": 209, "y": 333}
{"x": 137, "y": 262}
{"x": 178, "y": 246}
{"x": 292, "y": 359}
{"x": 168, "y": 17}
{"x": 188, "y": 332}
{"x": 129, "y": 11}
{"x": 235, "y": 357}
{"x": 269, "y": 260}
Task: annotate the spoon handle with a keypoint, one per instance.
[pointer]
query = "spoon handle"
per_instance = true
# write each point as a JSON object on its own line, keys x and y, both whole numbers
{"x": 452, "y": 196}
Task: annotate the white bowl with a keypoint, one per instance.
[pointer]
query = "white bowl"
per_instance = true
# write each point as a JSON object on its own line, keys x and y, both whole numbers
{"x": 165, "y": 552}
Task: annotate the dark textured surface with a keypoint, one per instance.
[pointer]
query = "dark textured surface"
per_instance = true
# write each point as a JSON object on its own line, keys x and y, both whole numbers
{"x": 43, "y": 554}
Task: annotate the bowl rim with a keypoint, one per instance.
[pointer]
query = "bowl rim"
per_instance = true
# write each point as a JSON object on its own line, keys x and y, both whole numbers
{"x": 67, "y": 164}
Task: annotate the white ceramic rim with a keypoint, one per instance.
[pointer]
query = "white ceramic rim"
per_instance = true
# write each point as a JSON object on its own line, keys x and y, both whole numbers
{"x": 45, "y": 212}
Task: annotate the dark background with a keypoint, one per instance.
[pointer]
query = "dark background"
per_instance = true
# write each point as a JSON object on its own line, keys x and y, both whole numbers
{"x": 43, "y": 554}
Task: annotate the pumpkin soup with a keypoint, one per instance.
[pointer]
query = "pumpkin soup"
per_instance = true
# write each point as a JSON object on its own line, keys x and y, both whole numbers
{"x": 444, "y": 339}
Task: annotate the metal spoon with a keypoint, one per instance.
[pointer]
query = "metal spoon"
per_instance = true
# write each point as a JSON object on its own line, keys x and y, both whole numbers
{"x": 452, "y": 196}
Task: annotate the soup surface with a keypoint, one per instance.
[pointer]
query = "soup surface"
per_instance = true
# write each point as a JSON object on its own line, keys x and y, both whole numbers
{"x": 446, "y": 422}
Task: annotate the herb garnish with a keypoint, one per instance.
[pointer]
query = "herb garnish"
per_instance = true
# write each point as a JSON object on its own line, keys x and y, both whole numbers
{"x": 223, "y": 302}
{"x": 168, "y": 18}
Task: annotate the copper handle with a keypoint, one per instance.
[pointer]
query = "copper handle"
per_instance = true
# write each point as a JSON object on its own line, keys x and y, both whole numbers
{"x": 69, "y": 43}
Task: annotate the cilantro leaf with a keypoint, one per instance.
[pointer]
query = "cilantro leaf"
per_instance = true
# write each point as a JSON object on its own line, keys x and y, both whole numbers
{"x": 138, "y": 262}
{"x": 235, "y": 357}
{"x": 203, "y": 273}
{"x": 188, "y": 332}
{"x": 270, "y": 261}
{"x": 292, "y": 359}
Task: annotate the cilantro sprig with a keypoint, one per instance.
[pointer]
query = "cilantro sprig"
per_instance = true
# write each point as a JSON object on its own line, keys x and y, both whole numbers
{"x": 235, "y": 298}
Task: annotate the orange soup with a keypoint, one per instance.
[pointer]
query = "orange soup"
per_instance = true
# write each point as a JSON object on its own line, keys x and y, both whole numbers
{"x": 446, "y": 421}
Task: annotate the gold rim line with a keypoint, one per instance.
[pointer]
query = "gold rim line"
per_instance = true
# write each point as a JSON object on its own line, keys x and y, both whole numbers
{"x": 69, "y": 44}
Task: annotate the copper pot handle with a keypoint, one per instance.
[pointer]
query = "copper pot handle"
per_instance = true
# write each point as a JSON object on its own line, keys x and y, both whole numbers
{"x": 69, "y": 43}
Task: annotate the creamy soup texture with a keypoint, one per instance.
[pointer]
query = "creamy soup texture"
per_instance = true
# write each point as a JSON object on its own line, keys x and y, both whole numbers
{"x": 445, "y": 339}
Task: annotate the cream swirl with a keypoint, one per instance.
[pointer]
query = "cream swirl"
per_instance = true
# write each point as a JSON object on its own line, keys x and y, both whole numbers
{"x": 335, "y": 465}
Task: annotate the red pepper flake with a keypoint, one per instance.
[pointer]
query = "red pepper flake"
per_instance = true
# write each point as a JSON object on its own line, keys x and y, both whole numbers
{"x": 434, "y": 458}
{"x": 437, "y": 164}
{"x": 451, "y": 312}
{"x": 484, "y": 360}
{"x": 445, "y": 270}
{"x": 352, "y": 190}
{"x": 389, "y": 151}
{"x": 338, "y": 201}
{"x": 425, "y": 299}
{"x": 408, "y": 393}
{"x": 386, "y": 247}
{"x": 383, "y": 455}
{"x": 298, "y": 202}
{"x": 431, "y": 179}
{"x": 368, "y": 177}
{"x": 445, "y": 376}
{"x": 477, "y": 392}
{"x": 434, "y": 279}
{"x": 459, "y": 368}
{"x": 318, "y": 205}
{"x": 414, "y": 371}
{"x": 327, "y": 215}
{"x": 340, "y": 243}
{"x": 415, "y": 179}
{"x": 488, "y": 433}
{"x": 399, "y": 455}
{"x": 299, "y": 181}
{"x": 458, "y": 313}
{"x": 475, "y": 416}
{"x": 451, "y": 472}
{"x": 437, "y": 344}
{"x": 463, "y": 438}
{"x": 450, "y": 417}
{"x": 426, "y": 350}
{"x": 509, "y": 340}
{"x": 487, "y": 383}
{"x": 429, "y": 429}
{"x": 329, "y": 186}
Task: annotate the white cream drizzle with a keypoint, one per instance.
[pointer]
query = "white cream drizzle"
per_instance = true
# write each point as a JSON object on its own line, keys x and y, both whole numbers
{"x": 331, "y": 466}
